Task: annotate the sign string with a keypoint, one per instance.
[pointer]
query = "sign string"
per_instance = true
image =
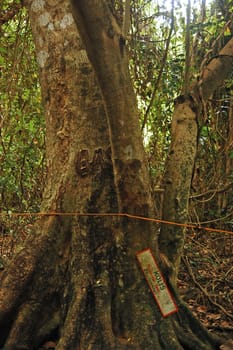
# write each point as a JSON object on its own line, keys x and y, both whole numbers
{"x": 130, "y": 216}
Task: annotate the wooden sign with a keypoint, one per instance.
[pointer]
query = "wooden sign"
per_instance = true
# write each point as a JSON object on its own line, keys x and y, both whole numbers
{"x": 156, "y": 283}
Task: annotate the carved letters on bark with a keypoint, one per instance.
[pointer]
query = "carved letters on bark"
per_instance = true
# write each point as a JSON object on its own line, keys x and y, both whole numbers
{"x": 85, "y": 166}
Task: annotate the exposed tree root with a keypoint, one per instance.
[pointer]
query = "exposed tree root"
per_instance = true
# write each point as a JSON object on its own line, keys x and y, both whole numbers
{"x": 29, "y": 290}
{"x": 70, "y": 289}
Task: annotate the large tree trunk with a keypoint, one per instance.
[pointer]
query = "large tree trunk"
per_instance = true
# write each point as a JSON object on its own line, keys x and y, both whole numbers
{"x": 77, "y": 278}
{"x": 106, "y": 49}
{"x": 52, "y": 284}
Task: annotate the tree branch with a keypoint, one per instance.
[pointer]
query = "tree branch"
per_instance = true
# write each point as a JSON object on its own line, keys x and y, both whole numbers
{"x": 216, "y": 71}
{"x": 187, "y": 51}
{"x": 215, "y": 191}
{"x": 126, "y": 19}
{"x": 163, "y": 63}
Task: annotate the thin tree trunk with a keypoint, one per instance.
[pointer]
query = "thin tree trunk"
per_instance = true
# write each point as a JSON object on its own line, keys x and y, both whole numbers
{"x": 180, "y": 161}
{"x": 177, "y": 180}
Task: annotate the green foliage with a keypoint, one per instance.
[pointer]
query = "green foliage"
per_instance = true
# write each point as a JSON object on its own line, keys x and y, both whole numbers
{"x": 158, "y": 80}
{"x": 21, "y": 118}
{"x": 157, "y": 72}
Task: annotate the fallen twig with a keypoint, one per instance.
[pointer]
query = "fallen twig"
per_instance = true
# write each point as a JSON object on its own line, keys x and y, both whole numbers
{"x": 203, "y": 290}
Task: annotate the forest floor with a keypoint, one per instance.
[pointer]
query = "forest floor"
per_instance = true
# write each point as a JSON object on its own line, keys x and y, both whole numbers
{"x": 205, "y": 279}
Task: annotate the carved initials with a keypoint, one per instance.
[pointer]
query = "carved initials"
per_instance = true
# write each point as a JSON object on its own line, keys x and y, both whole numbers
{"x": 83, "y": 164}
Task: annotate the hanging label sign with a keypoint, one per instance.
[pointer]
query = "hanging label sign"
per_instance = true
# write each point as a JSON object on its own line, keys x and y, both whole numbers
{"x": 156, "y": 283}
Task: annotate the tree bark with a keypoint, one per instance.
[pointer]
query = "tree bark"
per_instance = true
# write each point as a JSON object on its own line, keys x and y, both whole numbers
{"x": 51, "y": 284}
{"x": 107, "y": 51}
{"x": 216, "y": 71}
{"x": 180, "y": 162}
{"x": 103, "y": 39}
{"x": 177, "y": 180}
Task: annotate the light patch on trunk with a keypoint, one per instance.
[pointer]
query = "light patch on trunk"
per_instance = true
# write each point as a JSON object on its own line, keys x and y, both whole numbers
{"x": 37, "y": 5}
{"x": 44, "y": 19}
{"x": 51, "y": 26}
{"x": 82, "y": 57}
{"x": 66, "y": 21}
{"x": 42, "y": 58}
{"x": 129, "y": 152}
{"x": 40, "y": 41}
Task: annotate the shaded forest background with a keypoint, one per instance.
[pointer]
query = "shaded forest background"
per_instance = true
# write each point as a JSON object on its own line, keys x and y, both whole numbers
{"x": 167, "y": 47}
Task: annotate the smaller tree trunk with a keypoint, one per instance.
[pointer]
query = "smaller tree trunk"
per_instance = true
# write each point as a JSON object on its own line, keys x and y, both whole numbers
{"x": 181, "y": 157}
{"x": 177, "y": 179}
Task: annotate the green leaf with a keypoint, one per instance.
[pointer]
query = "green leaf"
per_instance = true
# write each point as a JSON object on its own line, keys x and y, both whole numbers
{"x": 204, "y": 131}
{"x": 3, "y": 50}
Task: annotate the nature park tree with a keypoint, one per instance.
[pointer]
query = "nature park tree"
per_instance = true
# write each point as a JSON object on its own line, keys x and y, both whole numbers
{"x": 77, "y": 278}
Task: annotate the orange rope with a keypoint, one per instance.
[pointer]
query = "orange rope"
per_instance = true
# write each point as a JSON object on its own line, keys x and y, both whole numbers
{"x": 130, "y": 216}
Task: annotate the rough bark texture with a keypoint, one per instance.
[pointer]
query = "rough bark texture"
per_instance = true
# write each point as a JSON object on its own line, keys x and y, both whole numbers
{"x": 180, "y": 162}
{"x": 106, "y": 49}
{"x": 107, "y": 52}
{"x": 52, "y": 284}
{"x": 177, "y": 179}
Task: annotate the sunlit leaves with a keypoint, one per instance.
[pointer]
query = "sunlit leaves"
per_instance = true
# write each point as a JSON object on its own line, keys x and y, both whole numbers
{"x": 151, "y": 21}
